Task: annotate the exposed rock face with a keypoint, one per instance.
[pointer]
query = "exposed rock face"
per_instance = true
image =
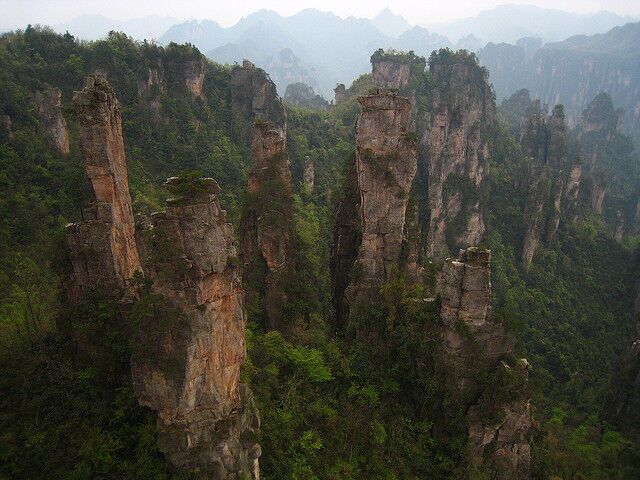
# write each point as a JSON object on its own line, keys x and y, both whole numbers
{"x": 386, "y": 162}
{"x": 193, "y": 71}
{"x": 49, "y": 110}
{"x": 206, "y": 419}
{"x": 103, "y": 248}
{"x": 255, "y": 95}
{"x": 456, "y": 144}
{"x": 471, "y": 339}
{"x": 473, "y": 342}
{"x": 149, "y": 91}
{"x": 390, "y": 74}
{"x": 346, "y": 242}
{"x": 267, "y": 222}
{"x": 308, "y": 172}
{"x": 340, "y": 94}
{"x": 501, "y": 441}
{"x": 544, "y": 140}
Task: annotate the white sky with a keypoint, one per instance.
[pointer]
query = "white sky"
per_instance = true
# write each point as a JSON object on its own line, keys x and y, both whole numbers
{"x": 18, "y": 13}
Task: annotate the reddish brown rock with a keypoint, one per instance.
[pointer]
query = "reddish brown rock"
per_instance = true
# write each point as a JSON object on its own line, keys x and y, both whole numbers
{"x": 193, "y": 340}
{"x": 49, "y": 110}
{"x": 103, "y": 249}
{"x": 391, "y": 74}
{"x": 193, "y": 71}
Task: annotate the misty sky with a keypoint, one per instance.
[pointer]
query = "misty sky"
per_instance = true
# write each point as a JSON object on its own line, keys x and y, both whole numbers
{"x": 18, "y": 13}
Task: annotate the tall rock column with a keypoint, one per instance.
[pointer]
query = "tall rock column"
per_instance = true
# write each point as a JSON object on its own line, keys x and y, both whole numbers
{"x": 456, "y": 145}
{"x": 267, "y": 220}
{"x": 49, "y": 109}
{"x": 544, "y": 140}
{"x": 192, "y": 338}
{"x": 386, "y": 162}
{"x": 473, "y": 344}
{"x": 103, "y": 249}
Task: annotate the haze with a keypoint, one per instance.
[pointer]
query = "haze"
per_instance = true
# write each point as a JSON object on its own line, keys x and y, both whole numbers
{"x": 18, "y": 13}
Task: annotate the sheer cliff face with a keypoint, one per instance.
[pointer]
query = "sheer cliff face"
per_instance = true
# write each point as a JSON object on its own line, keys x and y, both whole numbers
{"x": 267, "y": 220}
{"x": 49, "y": 109}
{"x": 206, "y": 419}
{"x": 456, "y": 146}
{"x": 544, "y": 140}
{"x": 473, "y": 343}
{"x": 193, "y": 73}
{"x": 472, "y": 340}
{"x": 386, "y": 160}
{"x": 391, "y": 74}
{"x": 103, "y": 248}
{"x": 255, "y": 95}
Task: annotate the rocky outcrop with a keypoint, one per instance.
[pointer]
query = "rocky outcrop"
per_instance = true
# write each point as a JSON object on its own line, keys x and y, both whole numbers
{"x": 390, "y": 73}
{"x": 456, "y": 144}
{"x": 473, "y": 344}
{"x": 308, "y": 172}
{"x": 102, "y": 247}
{"x": 500, "y": 431}
{"x": 267, "y": 219}
{"x": 386, "y": 163}
{"x": 346, "y": 242}
{"x": 150, "y": 90}
{"x": 193, "y": 339}
{"x": 340, "y": 94}
{"x": 254, "y": 95}
{"x": 544, "y": 141}
{"x": 49, "y": 110}
{"x": 193, "y": 72}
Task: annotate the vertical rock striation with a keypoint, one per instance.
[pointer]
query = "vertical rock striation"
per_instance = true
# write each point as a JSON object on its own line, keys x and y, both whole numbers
{"x": 456, "y": 144}
{"x": 473, "y": 344}
{"x": 188, "y": 368}
{"x": 49, "y": 110}
{"x": 267, "y": 219}
{"x": 266, "y": 222}
{"x": 103, "y": 249}
{"x": 386, "y": 162}
{"x": 189, "y": 330}
{"x": 544, "y": 141}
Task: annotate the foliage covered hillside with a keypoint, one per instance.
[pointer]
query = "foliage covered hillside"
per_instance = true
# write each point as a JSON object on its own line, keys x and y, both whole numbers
{"x": 332, "y": 407}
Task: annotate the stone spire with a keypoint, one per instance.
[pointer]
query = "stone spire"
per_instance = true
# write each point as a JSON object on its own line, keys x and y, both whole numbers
{"x": 386, "y": 163}
{"x": 189, "y": 367}
{"x": 102, "y": 247}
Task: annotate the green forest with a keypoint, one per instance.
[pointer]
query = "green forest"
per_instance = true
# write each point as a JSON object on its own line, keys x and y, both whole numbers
{"x": 333, "y": 405}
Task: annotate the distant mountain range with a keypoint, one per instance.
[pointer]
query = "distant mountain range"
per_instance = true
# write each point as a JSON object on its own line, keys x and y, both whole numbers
{"x": 508, "y": 23}
{"x": 92, "y": 27}
{"x": 572, "y": 72}
{"x": 323, "y": 49}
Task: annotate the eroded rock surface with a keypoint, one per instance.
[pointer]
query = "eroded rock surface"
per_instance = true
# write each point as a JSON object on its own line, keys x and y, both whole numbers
{"x": 267, "y": 220}
{"x": 473, "y": 344}
{"x": 386, "y": 162}
{"x": 103, "y": 248}
{"x": 188, "y": 369}
{"x": 544, "y": 140}
{"x": 456, "y": 142}
{"x": 49, "y": 110}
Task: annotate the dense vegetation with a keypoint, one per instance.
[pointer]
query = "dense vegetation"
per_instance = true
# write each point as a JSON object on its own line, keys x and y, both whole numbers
{"x": 332, "y": 407}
